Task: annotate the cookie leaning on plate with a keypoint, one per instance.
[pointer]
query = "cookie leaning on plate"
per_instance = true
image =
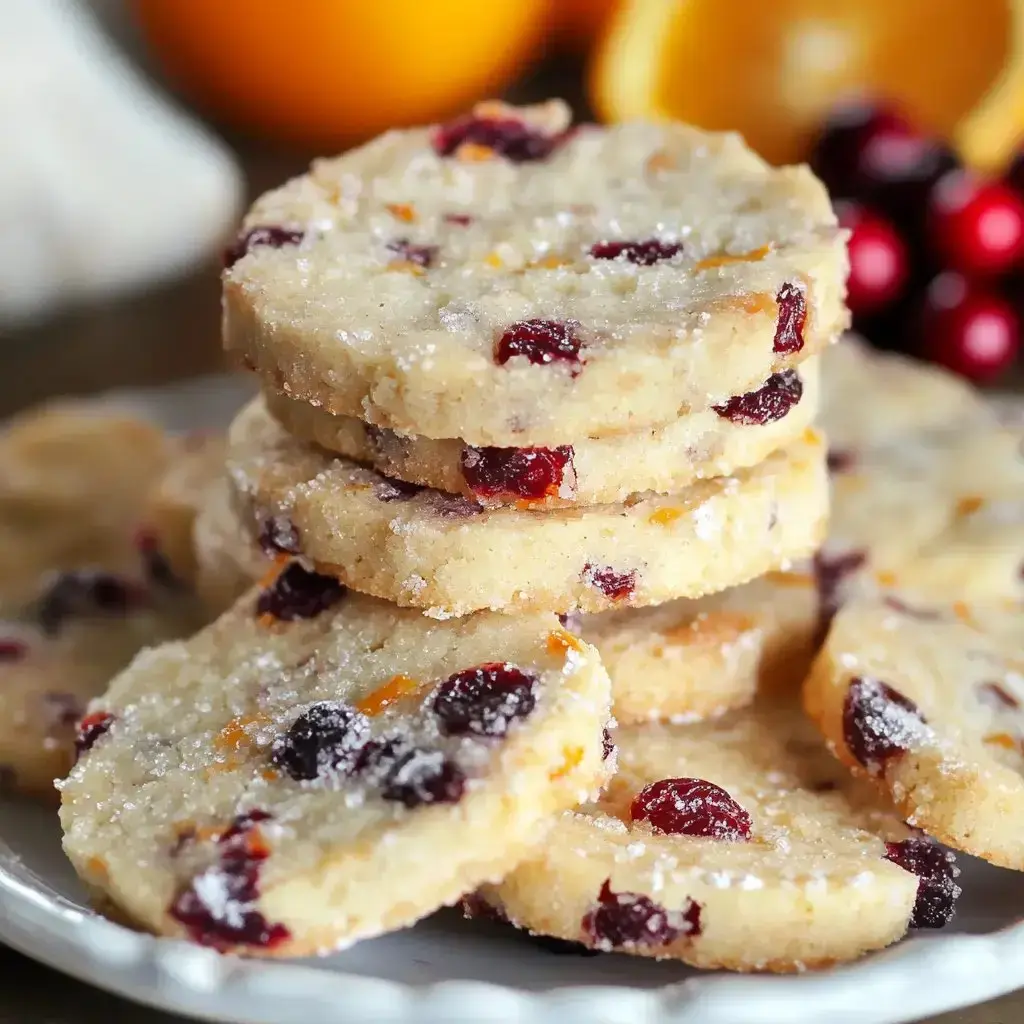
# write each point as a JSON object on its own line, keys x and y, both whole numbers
{"x": 508, "y": 281}
{"x": 318, "y": 767}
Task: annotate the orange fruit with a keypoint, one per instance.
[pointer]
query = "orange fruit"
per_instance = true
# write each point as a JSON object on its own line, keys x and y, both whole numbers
{"x": 578, "y": 23}
{"x": 773, "y": 70}
{"x": 332, "y": 71}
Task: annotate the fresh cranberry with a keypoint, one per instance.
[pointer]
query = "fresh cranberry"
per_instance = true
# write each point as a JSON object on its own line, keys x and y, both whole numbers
{"x": 87, "y": 592}
{"x": 530, "y": 473}
{"x": 420, "y": 255}
{"x": 997, "y": 697}
{"x": 298, "y": 593}
{"x": 541, "y": 342}
{"x": 90, "y": 729}
{"x": 690, "y": 807}
{"x": 879, "y": 723}
{"x": 509, "y": 137}
{"x": 973, "y": 332}
{"x": 616, "y": 586}
{"x": 389, "y": 489}
{"x": 484, "y": 700}
{"x": 279, "y": 536}
{"x": 830, "y": 573}
{"x": 626, "y": 920}
{"x": 268, "y": 236}
{"x": 646, "y": 253}
{"x": 12, "y": 650}
{"x": 936, "y": 869}
{"x": 840, "y": 461}
{"x": 424, "y": 777}
{"x": 879, "y": 262}
{"x": 769, "y": 403}
{"x": 976, "y": 226}
{"x": 789, "y": 329}
{"x": 326, "y": 739}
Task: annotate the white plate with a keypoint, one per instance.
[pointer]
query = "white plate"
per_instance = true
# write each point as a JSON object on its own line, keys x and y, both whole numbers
{"x": 448, "y": 971}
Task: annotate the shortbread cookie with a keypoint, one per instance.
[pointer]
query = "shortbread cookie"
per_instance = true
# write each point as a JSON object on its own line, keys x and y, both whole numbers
{"x": 508, "y": 281}
{"x": 83, "y": 583}
{"x": 427, "y": 549}
{"x": 740, "y": 433}
{"x": 739, "y": 843}
{"x": 924, "y": 700}
{"x": 318, "y": 766}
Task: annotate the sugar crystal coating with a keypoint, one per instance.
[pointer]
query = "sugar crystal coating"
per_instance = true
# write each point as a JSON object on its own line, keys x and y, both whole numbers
{"x": 937, "y": 891}
{"x": 624, "y": 920}
{"x": 484, "y": 700}
{"x": 879, "y": 723}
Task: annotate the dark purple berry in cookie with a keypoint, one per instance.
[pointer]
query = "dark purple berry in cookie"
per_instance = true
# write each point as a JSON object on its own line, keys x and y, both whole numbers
{"x": 268, "y": 236}
{"x": 475, "y": 908}
{"x": 326, "y": 739}
{"x": 157, "y": 567}
{"x": 830, "y": 573}
{"x": 463, "y": 220}
{"x": 87, "y": 592}
{"x": 453, "y": 506}
{"x": 419, "y": 255}
{"x": 90, "y": 729}
{"x": 279, "y": 536}
{"x": 690, "y": 807}
{"x": 646, "y": 253}
{"x": 298, "y": 593}
{"x": 12, "y": 650}
{"x": 840, "y": 461}
{"x": 508, "y": 137}
{"x": 937, "y": 891}
{"x": 528, "y": 473}
{"x": 424, "y": 777}
{"x": 616, "y": 586}
{"x": 607, "y": 744}
{"x": 484, "y": 700}
{"x": 541, "y": 342}
{"x": 879, "y": 723}
{"x": 626, "y": 920}
{"x": 387, "y": 490}
{"x": 767, "y": 404}
{"x": 789, "y": 329}
{"x": 996, "y": 696}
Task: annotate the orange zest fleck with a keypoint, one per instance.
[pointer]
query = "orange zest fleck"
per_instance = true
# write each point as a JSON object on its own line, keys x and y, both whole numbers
{"x": 1003, "y": 739}
{"x": 549, "y": 262}
{"x": 97, "y": 867}
{"x": 724, "y": 259}
{"x": 492, "y": 259}
{"x": 270, "y": 774}
{"x": 789, "y": 579}
{"x": 966, "y": 506}
{"x": 571, "y": 758}
{"x": 659, "y": 160}
{"x": 665, "y": 516}
{"x": 886, "y": 578}
{"x": 406, "y": 267}
{"x": 711, "y": 628}
{"x": 473, "y": 153}
{"x": 235, "y": 735}
{"x": 402, "y": 211}
{"x": 963, "y": 613}
{"x": 561, "y": 642}
{"x": 395, "y": 689}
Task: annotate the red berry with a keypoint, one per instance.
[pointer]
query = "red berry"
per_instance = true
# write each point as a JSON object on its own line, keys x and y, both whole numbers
{"x": 977, "y": 226}
{"x": 690, "y": 807}
{"x": 878, "y": 260}
{"x": 968, "y": 330}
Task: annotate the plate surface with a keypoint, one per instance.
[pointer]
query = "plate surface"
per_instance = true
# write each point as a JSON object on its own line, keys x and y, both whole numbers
{"x": 448, "y": 971}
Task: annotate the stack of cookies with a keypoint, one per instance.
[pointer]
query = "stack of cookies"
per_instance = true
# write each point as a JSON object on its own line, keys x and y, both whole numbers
{"x": 537, "y": 407}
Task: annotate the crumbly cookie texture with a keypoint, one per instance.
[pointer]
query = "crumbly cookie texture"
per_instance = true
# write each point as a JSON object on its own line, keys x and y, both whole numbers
{"x": 84, "y": 583}
{"x": 924, "y": 700}
{"x": 716, "y": 442}
{"x": 739, "y": 843}
{"x": 591, "y": 281}
{"x": 272, "y": 786}
{"x": 424, "y": 548}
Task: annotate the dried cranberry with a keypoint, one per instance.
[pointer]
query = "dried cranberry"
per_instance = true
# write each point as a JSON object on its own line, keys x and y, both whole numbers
{"x": 90, "y": 729}
{"x": 388, "y": 489}
{"x": 540, "y": 341}
{"x": 12, "y": 650}
{"x": 997, "y": 696}
{"x": 830, "y": 572}
{"x": 789, "y": 330}
{"x": 607, "y": 744}
{"x": 157, "y": 567}
{"x": 571, "y": 621}
{"x": 269, "y": 236}
{"x": 463, "y": 220}
{"x": 424, "y": 777}
{"x": 484, "y": 700}
{"x": 420, "y": 255}
{"x": 936, "y": 869}
{"x": 626, "y": 920}
{"x": 513, "y": 139}
{"x": 325, "y": 739}
{"x": 86, "y": 592}
{"x": 645, "y": 253}
{"x": 770, "y": 402}
{"x": 298, "y": 593}
{"x": 530, "y": 473}
{"x": 840, "y": 461}
{"x": 879, "y": 723}
{"x": 614, "y": 585}
{"x": 279, "y": 536}
{"x": 475, "y": 908}
{"x": 690, "y": 807}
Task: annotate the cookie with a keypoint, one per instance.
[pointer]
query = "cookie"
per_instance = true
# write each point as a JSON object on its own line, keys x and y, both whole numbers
{"x": 738, "y": 434}
{"x": 924, "y": 701}
{"x": 318, "y": 767}
{"x": 510, "y": 282}
{"x": 738, "y": 843}
{"x": 83, "y": 583}
{"x": 427, "y": 549}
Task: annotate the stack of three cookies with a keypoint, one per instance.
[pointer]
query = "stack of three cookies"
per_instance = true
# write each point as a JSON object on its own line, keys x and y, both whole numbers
{"x": 511, "y": 369}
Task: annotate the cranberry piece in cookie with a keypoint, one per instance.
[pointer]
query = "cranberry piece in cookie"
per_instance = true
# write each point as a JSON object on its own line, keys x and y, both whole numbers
{"x": 767, "y": 404}
{"x": 87, "y": 592}
{"x": 645, "y": 253}
{"x": 12, "y": 650}
{"x": 90, "y": 729}
{"x": 508, "y": 137}
{"x": 541, "y": 342}
{"x": 484, "y": 700}
{"x": 328, "y": 738}
{"x": 879, "y": 723}
{"x": 789, "y": 331}
{"x": 527, "y": 473}
{"x": 424, "y": 777}
{"x": 690, "y": 807}
{"x": 266, "y": 236}
{"x": 937, "y": 891}
{"x": 616, "y": 586}
{"x": 419, "y": 255}
{"x": 298, "y": 593}
{"x": 625, "y": 920}
{"x": 279, "y": 536}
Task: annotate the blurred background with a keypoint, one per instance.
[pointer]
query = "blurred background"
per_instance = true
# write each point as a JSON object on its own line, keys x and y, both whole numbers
{"x": 136, "y": 130}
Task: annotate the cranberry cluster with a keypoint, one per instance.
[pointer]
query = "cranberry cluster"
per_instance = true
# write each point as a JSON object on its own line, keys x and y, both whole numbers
{"x": 932, "y": 245}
